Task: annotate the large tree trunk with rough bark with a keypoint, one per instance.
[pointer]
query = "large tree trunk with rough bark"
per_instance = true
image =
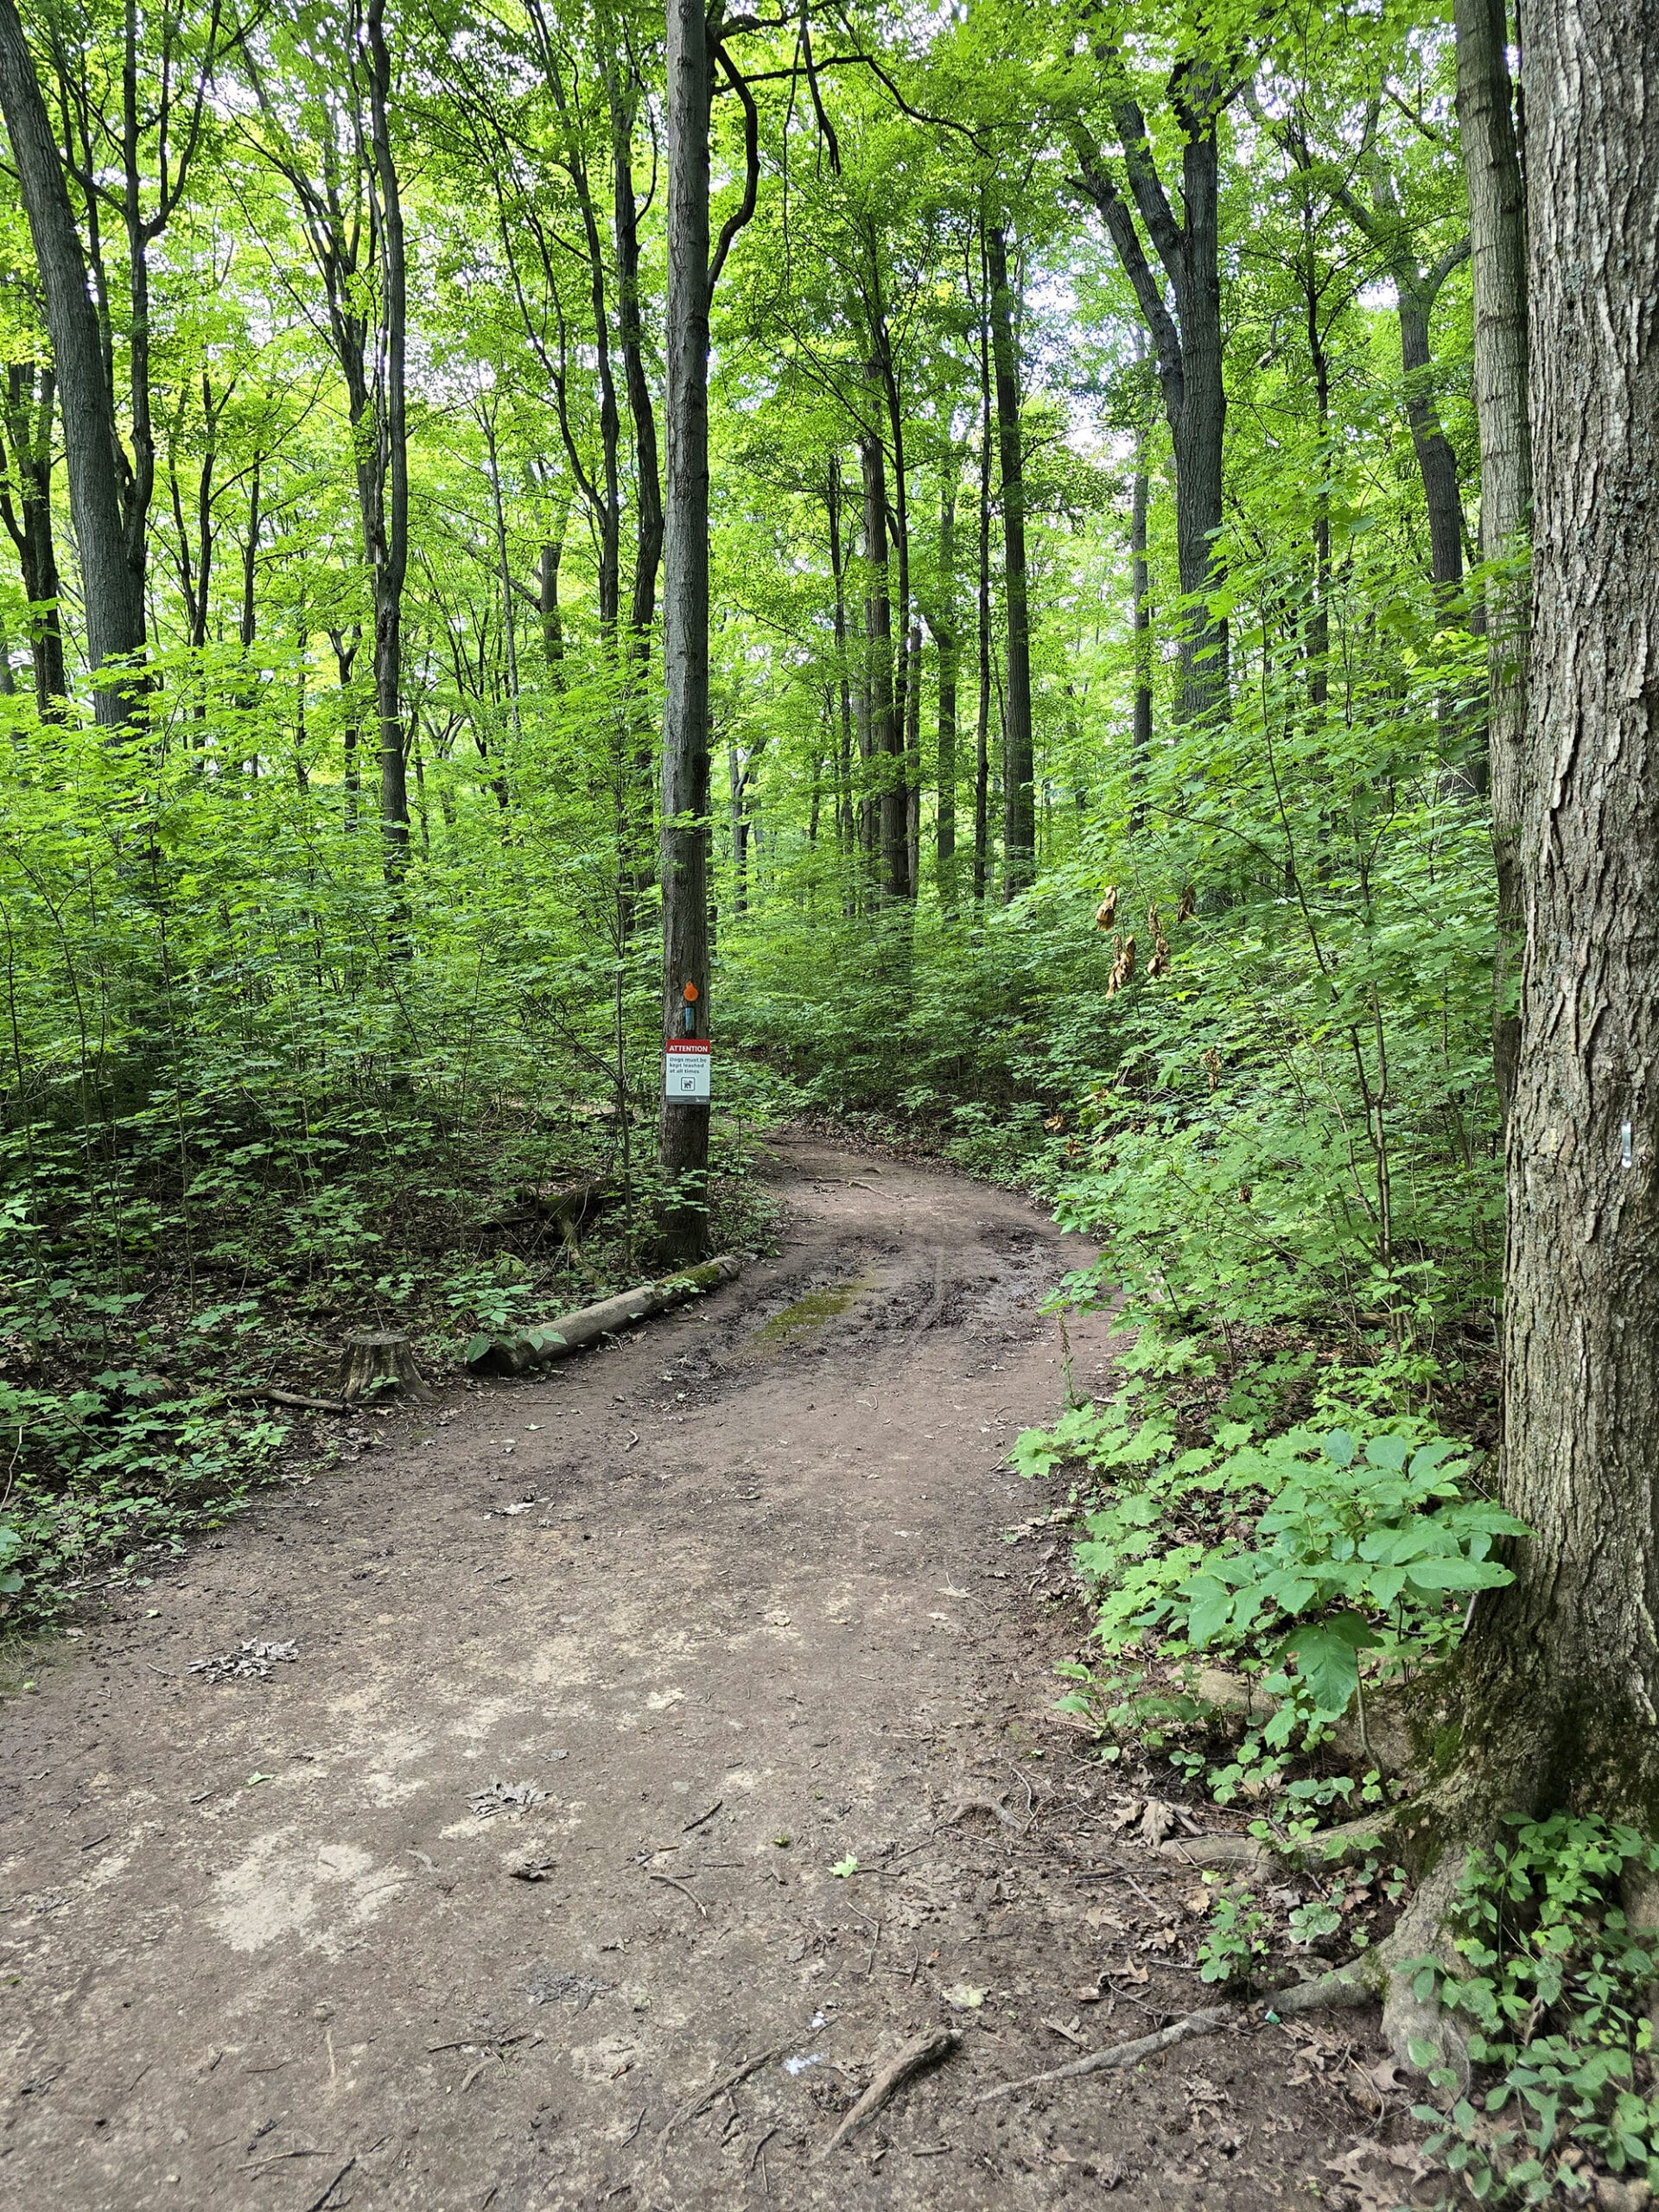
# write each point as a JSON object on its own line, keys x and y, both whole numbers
{"x": 1498, "y": 231}
{"x": 113, "y": 596}
{"x": 1562, "y": 1667}
{"x": 684, "y": 861}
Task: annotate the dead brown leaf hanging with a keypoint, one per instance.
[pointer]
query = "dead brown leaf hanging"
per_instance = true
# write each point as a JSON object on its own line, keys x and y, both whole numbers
{"x": 1159, "y": 963}
{"x": 1106, "y": 912}
{"x": 1122, "y": 967}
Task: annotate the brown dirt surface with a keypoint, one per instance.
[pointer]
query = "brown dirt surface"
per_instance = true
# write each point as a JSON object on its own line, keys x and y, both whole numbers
{"x": 598, "y": 1679}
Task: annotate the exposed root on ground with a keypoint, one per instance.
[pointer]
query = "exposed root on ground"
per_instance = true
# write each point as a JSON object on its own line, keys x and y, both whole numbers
{"x": 1422, "y": 1931}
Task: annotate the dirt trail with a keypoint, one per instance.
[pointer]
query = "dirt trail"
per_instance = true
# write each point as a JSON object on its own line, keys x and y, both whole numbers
{"x": 756, "y": 1619}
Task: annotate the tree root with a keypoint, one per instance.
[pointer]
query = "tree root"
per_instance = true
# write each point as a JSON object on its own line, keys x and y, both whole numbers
{"x": 1344, "y": 1986}
{"x": 1408, "y": 2020}
{"x": 924, "y": 2050}
{"x": 1332, "y": 1847}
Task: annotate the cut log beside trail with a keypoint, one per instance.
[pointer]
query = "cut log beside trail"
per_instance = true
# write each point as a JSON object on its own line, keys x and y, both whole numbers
{"x": 556, "y": 1339}
{"x": 376, "y": 1363}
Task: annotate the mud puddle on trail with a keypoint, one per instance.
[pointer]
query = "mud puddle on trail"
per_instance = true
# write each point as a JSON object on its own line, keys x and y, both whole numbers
{"x": 681, "y": 1709}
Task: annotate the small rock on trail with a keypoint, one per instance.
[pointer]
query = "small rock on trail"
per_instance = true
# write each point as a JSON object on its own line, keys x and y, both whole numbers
{"x": 763, "y": 1696}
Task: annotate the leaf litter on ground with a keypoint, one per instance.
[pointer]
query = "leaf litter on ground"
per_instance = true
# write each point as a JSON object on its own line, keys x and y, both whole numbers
{"x": 251, "y": 1663}
{"x": 505, "y": 1797}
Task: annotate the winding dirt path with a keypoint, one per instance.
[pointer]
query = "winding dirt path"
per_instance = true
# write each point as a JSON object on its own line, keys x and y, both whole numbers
{"x": 736, "y": 1597}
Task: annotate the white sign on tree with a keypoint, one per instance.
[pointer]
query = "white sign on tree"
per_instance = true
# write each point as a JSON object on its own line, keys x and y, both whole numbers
{"x": 686, "y": 1068}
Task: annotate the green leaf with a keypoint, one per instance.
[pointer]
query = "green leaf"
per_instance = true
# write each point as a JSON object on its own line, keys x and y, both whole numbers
{"x": 1339, "y": 1447}
{"x": 843, "y": 1867}
{"x": 1327, "y": 1658}
{"x": 1458, "y": 1574}
{"x": 1210, "y": 1605}
{"x": 1389, "y": 1452}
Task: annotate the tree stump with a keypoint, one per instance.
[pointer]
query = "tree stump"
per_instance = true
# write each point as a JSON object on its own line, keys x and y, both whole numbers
{"x": 376, "y": 1363}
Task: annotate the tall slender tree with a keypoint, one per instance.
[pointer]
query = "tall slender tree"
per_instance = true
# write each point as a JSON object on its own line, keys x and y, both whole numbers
{"x": 113, "y": 593}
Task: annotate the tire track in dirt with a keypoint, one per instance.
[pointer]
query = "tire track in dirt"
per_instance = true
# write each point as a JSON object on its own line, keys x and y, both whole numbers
{"x": 733, "y": 1600}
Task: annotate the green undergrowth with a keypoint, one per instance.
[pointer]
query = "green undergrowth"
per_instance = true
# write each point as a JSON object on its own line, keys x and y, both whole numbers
{"x": 131, "y": 1312}
{"x": 1553, "y": 1988}
{"x": 1272, "y": 1598}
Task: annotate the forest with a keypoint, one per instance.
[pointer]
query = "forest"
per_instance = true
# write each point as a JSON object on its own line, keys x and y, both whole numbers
{"x": 587, "y": 584}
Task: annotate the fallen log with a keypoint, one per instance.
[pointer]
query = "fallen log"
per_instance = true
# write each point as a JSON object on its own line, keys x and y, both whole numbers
{"x": 556, "y": 1339}
{"x": 302, "y": 1398}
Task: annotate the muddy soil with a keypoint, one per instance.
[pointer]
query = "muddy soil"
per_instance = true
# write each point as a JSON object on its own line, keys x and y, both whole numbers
{"x": 686, "y": 1708}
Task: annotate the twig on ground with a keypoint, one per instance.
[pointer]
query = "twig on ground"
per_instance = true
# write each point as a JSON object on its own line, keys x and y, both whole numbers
{"x": 317, "y": 2202}
{"x": 701, "y": 1817}
{"x": 924, "y": 2050}
{"x": 682, "y": 1890}
{"x": 704, "y": 2098}
{"x": 760, "y": 2146}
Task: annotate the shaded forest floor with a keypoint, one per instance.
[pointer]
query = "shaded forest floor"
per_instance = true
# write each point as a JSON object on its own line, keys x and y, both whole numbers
{"x": 686, "y": 1705}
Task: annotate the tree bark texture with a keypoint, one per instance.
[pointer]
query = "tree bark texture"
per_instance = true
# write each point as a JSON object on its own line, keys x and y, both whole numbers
{"x": 684, "y": 1142}
{"x": 1497, "y": 233}
{"x": 1564, "y": 1665}
{"x": 113, "y": 596}
{"x": 1019, "y": 802}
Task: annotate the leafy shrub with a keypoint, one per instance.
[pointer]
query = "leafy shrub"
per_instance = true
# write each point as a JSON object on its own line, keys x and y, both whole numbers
{"x": 1553, "y": 1986}
{"x": 1305, "y": 1548}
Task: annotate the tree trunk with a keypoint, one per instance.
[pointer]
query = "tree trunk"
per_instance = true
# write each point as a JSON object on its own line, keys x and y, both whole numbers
{"x": 113, "y": 596}
{"x": 1563, "y": 1667}
{"x": 684, "y": 1143}
{"x": 248, "y": 626}
{"x": 31, "y": 398}
{"x": 1497, "y": 234}
{"x": 947, "y": 639}
{"x": 1436, "y": 462}
{"x": 1198, "y": 429}
{"x": 1187, "y": 344}
{"x": 546, "y": 607}
{"x": 1019, "y": 818}
{"x": 982, "y": 720}
{"x": 1141, "y": 586}
{"x": 647, "y": 483}
{"x": 391, "y": 554}
{"x": 887, "y": 737}
{"x": 913, "y": 760}
{"x": 846, "y": 829}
